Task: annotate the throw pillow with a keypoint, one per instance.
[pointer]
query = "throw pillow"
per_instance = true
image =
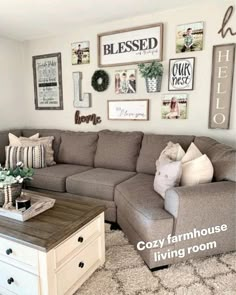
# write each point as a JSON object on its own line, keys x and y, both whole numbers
{"x": 197, "y": 171}
{"x": 173, "y": 151}
{"x": 168, "y": 175}
{"x": 192, "y": 153}
{"x": 15, "y": 141}
{"x": 31, "y": 156}
{"x": 46, "y": 142}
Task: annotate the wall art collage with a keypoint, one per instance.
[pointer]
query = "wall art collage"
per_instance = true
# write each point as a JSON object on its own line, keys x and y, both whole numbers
{"x": 142, "y": 46}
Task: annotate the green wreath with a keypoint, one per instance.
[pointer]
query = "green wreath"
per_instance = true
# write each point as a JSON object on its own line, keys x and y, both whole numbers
{"x": 100, "y": 80}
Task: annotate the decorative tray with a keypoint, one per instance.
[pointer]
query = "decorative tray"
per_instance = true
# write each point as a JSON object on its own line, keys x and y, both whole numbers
{"x": 39, "y": 204}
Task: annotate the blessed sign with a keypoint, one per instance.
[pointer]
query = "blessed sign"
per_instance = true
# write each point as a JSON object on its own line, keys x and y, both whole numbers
{"x": 130, "y": 46}
{"x": 223, "y": 62}
{"x": 181, "y": 74}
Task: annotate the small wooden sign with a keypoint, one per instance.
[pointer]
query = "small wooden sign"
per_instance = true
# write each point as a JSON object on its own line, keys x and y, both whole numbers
{"x": 134, "y": 110}
{"x": 223, "y": 61}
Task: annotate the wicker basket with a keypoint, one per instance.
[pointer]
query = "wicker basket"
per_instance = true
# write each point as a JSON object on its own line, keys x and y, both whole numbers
{"x": 15, "y": 191}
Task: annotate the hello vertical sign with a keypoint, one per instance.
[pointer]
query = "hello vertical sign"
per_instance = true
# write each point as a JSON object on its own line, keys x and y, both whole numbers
{"x": 223, "y": 62}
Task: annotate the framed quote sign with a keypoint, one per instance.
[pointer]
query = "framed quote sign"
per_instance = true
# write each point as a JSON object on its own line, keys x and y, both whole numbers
{"x": 222, "y": 75}
{"x": 48, "y": 82}
{"x": 181, "y": 74}
{"x": 131, "y": 46}
{"x": 135, "y": 109}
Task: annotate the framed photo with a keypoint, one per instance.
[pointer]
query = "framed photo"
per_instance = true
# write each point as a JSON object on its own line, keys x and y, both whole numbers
{"x": 181, "y": 74}
{"x": 131, "y": 46}
{"x": 222, "y": 77}
{"x": 189, "y": 37}
{"x": 80, "y": 53}
{"x": 134, "y": 110}
{"x": 48, "y": 82}
{"x": 125, "y": 81}
{"x": 174, "y": 106}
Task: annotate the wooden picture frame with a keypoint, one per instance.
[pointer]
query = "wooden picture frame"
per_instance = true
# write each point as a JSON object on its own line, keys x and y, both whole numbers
{"x": 222, "y": 77}
{"x": 47, "y": 73}
{"x": 122, "y": 110}
{"x": 122, "y": 49}
{"x": 181, "y": 74}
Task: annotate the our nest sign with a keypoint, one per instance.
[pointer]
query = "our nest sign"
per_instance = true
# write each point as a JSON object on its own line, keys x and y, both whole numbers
{"x": 223, "y": 62}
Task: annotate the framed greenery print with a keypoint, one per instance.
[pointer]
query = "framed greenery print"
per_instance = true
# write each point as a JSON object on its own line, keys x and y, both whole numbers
{"x": 181, "y": 74}
{"x": 131, "y": 46}
{"x": 48, "y": 82}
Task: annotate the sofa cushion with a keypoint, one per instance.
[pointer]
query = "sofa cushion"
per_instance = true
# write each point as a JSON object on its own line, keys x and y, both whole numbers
{"x": 44, "y": 133}
{"x": 143, "y": 208}
{"x": 54, "y": 177}
{"x": 4, "y": 141}
{"x": 223, "y": 157}
{"x": 118, "y": 150}
{"x": 78, "y": 148}
{"x": 152, "y": 146}
{"x": 97, "y": 183}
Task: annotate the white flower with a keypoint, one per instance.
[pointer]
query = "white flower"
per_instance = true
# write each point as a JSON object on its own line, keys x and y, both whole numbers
{"x": 20, "y": 164}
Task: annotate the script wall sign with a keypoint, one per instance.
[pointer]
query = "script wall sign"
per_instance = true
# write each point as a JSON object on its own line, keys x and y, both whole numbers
{"x": 181, "y": 74}
{"x": 224, "y": 30}
{"x": 134, "y": 110}
{"x": 130, "y": 46}
{"x": 221, "y": 85}
{"x": 86, "y": 119}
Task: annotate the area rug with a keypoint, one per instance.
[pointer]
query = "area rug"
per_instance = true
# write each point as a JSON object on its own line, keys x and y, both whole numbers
{"x": 125, "y": 273}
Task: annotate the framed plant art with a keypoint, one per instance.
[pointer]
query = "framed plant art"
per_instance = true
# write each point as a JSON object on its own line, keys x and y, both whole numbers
{"x": 131, "y": 46}
{"x": 48, "y": 82}
{"x": 181, "y": 74}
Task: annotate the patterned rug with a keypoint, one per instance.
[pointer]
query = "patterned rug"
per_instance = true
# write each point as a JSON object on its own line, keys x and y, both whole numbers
{"x": 125, "y": 273}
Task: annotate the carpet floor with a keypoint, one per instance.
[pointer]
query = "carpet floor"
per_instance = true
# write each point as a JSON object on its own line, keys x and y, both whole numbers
{"x": 125, "y": 273}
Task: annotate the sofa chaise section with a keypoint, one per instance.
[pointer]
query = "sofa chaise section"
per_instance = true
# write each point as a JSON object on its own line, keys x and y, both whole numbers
{"x": 141, "y": 214}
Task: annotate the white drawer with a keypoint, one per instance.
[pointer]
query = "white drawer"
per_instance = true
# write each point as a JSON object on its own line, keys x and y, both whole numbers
{"x": 16, "y": 281}
{"x": 16, "y": 252}
{"x": 79, "y": 268}
{"x": 79, "y": 240}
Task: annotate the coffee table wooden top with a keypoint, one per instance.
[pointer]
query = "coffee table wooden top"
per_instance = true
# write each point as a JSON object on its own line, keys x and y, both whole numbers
{"x": 50, "y": 228}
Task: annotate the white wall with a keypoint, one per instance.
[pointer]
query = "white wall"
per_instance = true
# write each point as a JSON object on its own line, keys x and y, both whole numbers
{"x": 11, "y": 84}
{"x": 198, "y": 108}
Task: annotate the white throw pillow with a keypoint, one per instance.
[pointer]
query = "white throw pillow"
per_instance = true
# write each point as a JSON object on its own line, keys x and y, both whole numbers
{"x": 173, "y": 151}
{"x": 197, "y": 171}
{"x": 168, "y": 175}
{"x": 192, "y": 153}
{"x": 16, "y": 141}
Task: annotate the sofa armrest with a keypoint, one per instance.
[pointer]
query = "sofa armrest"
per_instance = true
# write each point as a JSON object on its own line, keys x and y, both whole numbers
{"x": 200, "y": 199}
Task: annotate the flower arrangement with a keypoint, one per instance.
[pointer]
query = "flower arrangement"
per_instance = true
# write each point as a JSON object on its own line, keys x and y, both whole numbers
{"x": 14, "y": 176}
{"x": 151, "y": 70}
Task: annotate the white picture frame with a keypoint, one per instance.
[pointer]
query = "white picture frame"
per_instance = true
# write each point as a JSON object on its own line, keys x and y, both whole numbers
{"x": 131, "y": 46}
{"x": 181, "y": 74}
{"x": 128, "y": 110}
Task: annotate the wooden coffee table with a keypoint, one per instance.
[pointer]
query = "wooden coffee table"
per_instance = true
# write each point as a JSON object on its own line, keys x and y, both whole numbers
{"x": 54, "y": 252}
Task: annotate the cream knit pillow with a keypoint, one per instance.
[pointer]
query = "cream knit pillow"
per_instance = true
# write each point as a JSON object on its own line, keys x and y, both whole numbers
{"x": 16, "y": 141}
{"x": 197, "y": 171}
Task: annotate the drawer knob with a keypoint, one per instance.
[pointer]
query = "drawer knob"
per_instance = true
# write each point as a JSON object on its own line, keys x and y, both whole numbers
{"x": 9, "y": 251}
{"x": 10, "y": 281}
{"x": 81, "y": 264}
{"x": 80, "y": 239}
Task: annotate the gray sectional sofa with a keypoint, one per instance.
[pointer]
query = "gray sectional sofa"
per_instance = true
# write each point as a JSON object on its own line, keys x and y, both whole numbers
{"x": 117, "y": 169}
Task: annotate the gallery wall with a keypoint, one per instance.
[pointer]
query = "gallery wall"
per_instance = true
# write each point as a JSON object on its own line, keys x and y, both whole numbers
{"x": 11, "y": 80}
{"x": 198, "y": 101}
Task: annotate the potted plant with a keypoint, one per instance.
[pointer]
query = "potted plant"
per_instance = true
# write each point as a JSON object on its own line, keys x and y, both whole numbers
{"x": 13, "y": 179}
{"x": 152, "y": 72}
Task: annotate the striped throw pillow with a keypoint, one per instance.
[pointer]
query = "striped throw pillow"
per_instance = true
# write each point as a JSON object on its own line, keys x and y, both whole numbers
{"x": 31, "y": 156}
